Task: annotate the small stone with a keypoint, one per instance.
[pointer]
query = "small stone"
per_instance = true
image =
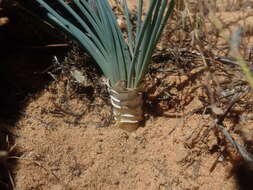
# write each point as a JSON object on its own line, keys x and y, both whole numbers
{"x": 122, "y": 23}
{"x": 181, "y": 153}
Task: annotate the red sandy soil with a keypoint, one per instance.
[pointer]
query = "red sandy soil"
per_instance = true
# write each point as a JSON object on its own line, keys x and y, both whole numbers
{"x": 87, "y": 156}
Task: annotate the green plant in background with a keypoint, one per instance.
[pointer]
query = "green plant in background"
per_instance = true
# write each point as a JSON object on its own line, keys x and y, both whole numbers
{"x": 123, "y": 61}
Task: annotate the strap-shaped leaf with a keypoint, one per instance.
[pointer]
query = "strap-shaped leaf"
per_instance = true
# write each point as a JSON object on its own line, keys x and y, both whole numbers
{"x": 75, "y": 32}
{"x": 160, "y": 16}
{"x": 86, "y": 28}
{"x": 129, "y": 28}
{"x": 93, "y": 24}
{"x": 139, "y": 15}
{"x": 157, "y": 18}
{"x": 137, "y": 51}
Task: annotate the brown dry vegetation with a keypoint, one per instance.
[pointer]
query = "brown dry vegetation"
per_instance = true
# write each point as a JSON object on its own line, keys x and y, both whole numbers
{"x": 60, "y": 133}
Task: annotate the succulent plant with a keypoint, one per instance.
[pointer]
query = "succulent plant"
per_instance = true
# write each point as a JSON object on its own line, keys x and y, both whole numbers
{"x": 124, "y": 62}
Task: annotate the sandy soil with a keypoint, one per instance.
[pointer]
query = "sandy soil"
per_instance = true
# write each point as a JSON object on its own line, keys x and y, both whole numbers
{"x": 87, "y": 156}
